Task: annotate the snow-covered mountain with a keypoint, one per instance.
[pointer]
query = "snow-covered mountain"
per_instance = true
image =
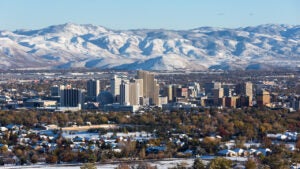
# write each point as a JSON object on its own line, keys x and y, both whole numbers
{"x": 72, "y": 45}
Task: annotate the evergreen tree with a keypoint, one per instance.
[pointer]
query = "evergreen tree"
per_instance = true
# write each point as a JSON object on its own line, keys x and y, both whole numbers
{"x": 198, "y": 164}
{"x": 220, "y": 163}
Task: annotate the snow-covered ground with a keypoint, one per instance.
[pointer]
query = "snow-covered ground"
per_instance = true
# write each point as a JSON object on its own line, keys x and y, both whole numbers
{"x": 72, "y": 45}
{"x": 161, "y": 164}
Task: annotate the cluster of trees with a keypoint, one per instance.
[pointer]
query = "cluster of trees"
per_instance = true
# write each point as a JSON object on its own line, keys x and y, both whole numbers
{"x": 251, "y": 123}
{"x": 241, "y": 124}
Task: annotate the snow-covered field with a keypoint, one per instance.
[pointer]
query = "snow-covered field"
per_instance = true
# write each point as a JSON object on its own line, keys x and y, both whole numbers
{"x": 162, "y": 164}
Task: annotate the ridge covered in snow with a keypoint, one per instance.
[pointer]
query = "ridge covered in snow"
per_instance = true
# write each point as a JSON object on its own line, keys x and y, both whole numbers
{"x": 88, "y": 46}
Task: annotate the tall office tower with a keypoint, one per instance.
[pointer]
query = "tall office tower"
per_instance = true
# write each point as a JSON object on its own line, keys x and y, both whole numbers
{"x": 243, "y": 101}
{"x": 181, "y": 92}
{"x": 176, "y": 91}
{"x": 263, "y": 98}
{"x": 168, "y": 92}
{"x": 134, "y": 90}
{"x": 124, "y": 93}
{"x": 140, "y": 82}
{"x": 54, "y": 90}
{"x": 115, "y": 83}
{"x": 217, "y": 96}
{"x": 155, "y": 94}
{"x": 231, "y": 101}
{"x": 194, "y": 89}
{"x": 150, "y": 86}
{"x": 245, "y": 89}
{"x": 228, "y": 89}
{"x": 70, "y": 97}
{"x": 93, "y": 89}
{"x": 210, "y": 86}
{"x": 218, "y": 93}
{"x": 249, "y": 89}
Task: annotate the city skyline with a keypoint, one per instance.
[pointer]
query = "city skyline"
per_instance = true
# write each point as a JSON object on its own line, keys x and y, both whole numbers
{"x": 155, "y": 14}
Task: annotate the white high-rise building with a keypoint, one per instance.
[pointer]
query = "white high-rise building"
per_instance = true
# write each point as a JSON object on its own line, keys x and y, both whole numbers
{"x": 194, "y": 89}
{"x": 115, "y": 83}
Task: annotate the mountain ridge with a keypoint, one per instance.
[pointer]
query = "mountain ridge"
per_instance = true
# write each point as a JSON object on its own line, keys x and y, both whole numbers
{"x": 88, "y": 46}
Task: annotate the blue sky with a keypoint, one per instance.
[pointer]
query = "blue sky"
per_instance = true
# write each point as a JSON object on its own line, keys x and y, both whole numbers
{"x": 134, "y": 14}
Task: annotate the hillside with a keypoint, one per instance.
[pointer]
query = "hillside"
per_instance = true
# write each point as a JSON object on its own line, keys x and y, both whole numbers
{"x": 72, "y": 45}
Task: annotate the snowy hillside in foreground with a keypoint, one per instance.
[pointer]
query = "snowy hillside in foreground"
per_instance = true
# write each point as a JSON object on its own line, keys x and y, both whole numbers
{"x": 89, "y": 46}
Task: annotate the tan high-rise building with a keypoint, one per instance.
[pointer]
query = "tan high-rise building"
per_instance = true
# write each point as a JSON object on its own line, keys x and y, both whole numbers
{"x": 134, "y": 90}
{"x": 245, "y": 89}
{"x": 218, "y": 93}
{"x": 231, "y": 101}
{"x": 168, "y": 92}
{"x": 141, "y": 91}
{"x": 248, "y": 89}
{"x": 150, "y": 86}
{"x": 155, "y": 94}
{"x": 217, "y": 96}
{"x": 263, "y": 98}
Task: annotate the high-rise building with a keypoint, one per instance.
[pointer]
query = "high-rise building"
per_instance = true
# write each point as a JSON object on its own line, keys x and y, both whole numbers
{"x": 124, "y": 93}
{"x": 249, "y": 89}
{"x": 263, "y": 98}
{"x": 155, "y": 94}
{"x": 210, "y": 86}
{"x": 168, "y": 92}
{"x": 243, "y": 101}
{"x": 228, "y": 89}
{"x": 245, "y": 89}
{"x": 218, "y": 93}
{"x": 70, "y": 97}
{"x": 93, "y": 89}
{"x": 134, "y": 90}
{"x": 217, "y": 96}
{"x": 150, "y": 86}
{"x": 140, "y": 82}
{"x": 54, "y": 90}
{"x": 231, "y": 101}
{"x": 115, "y": 83}
{"x": 181, "y": 92}
{"x": 193, "y": 89}
{"x": 176, "y": 91}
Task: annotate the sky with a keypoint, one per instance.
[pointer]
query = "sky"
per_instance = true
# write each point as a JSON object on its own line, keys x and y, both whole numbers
{"x": 152, "y": 14}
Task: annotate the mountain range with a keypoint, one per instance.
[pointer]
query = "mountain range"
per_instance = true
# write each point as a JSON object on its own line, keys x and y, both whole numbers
{"x": 88, "y": 46}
